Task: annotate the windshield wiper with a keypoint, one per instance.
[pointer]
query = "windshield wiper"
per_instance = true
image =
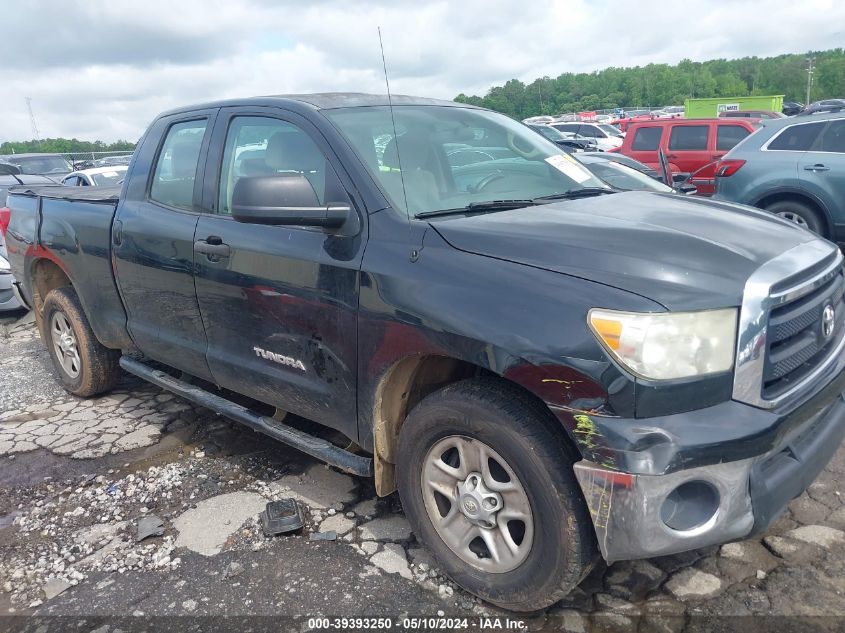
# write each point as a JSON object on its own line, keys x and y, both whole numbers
{"x": 585, "y": 192}
{"x": 479, "y": 207}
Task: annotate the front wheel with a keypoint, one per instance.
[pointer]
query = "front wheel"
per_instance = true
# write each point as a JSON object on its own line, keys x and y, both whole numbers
{"x": 487, "y": 483}
{"x": 798, "y": 213}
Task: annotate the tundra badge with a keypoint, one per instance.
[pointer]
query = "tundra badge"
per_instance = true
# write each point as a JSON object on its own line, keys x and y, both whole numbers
{"x": 279, "y": 358}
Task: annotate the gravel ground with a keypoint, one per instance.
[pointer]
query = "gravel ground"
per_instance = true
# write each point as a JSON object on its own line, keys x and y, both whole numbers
{"x": 79, "y": 478}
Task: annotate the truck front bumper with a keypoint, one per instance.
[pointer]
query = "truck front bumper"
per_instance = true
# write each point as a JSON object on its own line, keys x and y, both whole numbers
{"x": 638, "y": 515}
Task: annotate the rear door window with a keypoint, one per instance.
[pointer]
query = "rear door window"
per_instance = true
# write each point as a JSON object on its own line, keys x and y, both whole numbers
{"x": 646, "y": 139}
{"x": 797, "y": 138}
{"x": 833, "y": 139}
{"x": 728, "y": 136}
{"x": 688, "y": 138}
{"x": 176, "y": 168}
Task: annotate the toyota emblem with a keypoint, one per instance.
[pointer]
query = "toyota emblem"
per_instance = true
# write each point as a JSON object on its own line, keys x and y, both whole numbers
{"x": 828, "y": 321}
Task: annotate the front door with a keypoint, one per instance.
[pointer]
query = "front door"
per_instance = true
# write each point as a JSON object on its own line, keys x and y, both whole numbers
{"x": 279, "y": 303}
{"x": 822, "y": 172}
{"x": 153, "y": 243}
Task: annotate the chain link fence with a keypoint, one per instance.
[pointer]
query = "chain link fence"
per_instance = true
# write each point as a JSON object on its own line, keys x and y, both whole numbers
{"x": 86, "y": 160}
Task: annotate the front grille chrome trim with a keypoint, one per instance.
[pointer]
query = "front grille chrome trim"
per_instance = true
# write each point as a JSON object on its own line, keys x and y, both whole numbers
{"x": 758, "y": 299}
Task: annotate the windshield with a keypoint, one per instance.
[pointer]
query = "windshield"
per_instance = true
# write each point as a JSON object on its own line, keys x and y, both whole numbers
{"x": 108, "y": 177}
{"x": 625, "y": 178}
{"x": 450, "y": 157}
{"x": 613, "y": 131}
{"x": 42, "y": 164}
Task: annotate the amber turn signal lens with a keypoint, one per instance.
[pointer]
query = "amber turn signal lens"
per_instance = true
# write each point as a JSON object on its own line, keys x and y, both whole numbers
{"x": 609, "y": 331}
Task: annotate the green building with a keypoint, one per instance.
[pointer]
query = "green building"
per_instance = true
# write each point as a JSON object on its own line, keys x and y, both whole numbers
{"x": 710, "y": 108}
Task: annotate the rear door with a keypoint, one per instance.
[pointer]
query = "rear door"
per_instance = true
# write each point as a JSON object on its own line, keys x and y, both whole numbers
{"x": 688, "y": 146}
{"x": 153, "y": 242}
{"x": 822, "y": 171}
{"x": 280, "y": 306}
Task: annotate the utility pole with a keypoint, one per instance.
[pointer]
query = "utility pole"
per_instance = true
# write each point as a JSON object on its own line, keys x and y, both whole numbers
{"x": 32, "y": 120}
{"x": 810, "y": 62}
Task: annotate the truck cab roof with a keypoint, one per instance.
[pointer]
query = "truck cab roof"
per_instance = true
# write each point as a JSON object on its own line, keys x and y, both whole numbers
{"x": 322, "y": 101}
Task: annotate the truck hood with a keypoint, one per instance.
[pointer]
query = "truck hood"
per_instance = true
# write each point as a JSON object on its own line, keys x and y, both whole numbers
{"x": 681, "y": 252}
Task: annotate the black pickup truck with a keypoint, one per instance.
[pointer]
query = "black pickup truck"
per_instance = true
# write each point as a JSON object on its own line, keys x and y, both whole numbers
{"x": 544, "y": 367}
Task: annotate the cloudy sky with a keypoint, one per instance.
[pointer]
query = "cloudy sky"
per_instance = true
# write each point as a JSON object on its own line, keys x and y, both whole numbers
{"x": 101, "y": 69}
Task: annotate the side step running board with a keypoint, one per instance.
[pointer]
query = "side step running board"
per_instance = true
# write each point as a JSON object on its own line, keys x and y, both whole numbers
{"x": 314, "y": 446}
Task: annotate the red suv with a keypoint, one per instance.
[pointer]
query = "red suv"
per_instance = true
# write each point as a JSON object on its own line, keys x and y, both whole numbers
{"x": 689, "y": 144}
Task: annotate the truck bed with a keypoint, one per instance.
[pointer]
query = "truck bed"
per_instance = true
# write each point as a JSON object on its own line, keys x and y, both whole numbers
{"x": 71, "y": 194}
{"x": 71, "y": 226}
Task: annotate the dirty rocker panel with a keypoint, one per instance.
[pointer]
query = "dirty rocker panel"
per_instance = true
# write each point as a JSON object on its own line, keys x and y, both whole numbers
{"x": 314, "y": 446}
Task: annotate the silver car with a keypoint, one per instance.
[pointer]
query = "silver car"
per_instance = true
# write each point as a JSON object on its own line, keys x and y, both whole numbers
{"x": 8, "y": 296}
{"x": 9, "y": 299}
{"x": 793, "y": 167}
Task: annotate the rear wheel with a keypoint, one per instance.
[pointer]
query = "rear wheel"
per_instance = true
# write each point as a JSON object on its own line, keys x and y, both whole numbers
{"x": 84, "y": 366}
{"x": 488, "y": 486}
{"x": 798, "y": 213}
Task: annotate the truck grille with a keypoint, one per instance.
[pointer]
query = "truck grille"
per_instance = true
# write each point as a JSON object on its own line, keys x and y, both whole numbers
{"x": 796, "y": 342}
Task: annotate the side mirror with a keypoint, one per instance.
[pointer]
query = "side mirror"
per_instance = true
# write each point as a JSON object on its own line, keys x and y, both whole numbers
{"x": 284, "y": 200}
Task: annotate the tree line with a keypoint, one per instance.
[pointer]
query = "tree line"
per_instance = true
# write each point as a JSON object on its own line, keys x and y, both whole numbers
{"x": 64, "y": 146}
{"x": 657, "y": 85}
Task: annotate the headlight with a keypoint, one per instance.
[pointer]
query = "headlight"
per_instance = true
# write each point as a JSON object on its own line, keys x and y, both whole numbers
{"x": 4, "y": 265}
{"x": 667, "y": 345}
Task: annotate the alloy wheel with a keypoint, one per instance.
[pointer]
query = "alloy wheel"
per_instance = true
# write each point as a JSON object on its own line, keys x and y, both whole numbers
{"x": 477, "y": 504}
{"x": 795, "y": 218}
{"x": 65, "y": 345}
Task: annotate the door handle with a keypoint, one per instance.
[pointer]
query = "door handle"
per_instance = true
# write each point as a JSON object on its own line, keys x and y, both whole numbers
{"x": 117, "y": 233}
{"x": 816, "y": 167}
{"x": 673, "y": 156}
{"x": 212, "y": 247}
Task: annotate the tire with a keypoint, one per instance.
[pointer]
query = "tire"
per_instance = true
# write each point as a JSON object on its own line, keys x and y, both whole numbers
{"x": 487, "y": 414}
{"x": 799, "y": 213}
{"x": 83, "y": 365}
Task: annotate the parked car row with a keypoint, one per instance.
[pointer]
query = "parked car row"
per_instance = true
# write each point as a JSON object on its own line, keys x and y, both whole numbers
{"x": 688, "y": 144}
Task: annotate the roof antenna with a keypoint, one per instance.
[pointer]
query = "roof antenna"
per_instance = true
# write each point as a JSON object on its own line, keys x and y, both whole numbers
{"x": 414, "y": 252}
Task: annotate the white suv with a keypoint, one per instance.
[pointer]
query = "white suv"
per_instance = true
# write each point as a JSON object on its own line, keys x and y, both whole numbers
{"x": 606, "y": 136}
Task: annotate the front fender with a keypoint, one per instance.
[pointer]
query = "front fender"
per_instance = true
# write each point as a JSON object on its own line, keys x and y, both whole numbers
{"x": 522, "y": 323}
